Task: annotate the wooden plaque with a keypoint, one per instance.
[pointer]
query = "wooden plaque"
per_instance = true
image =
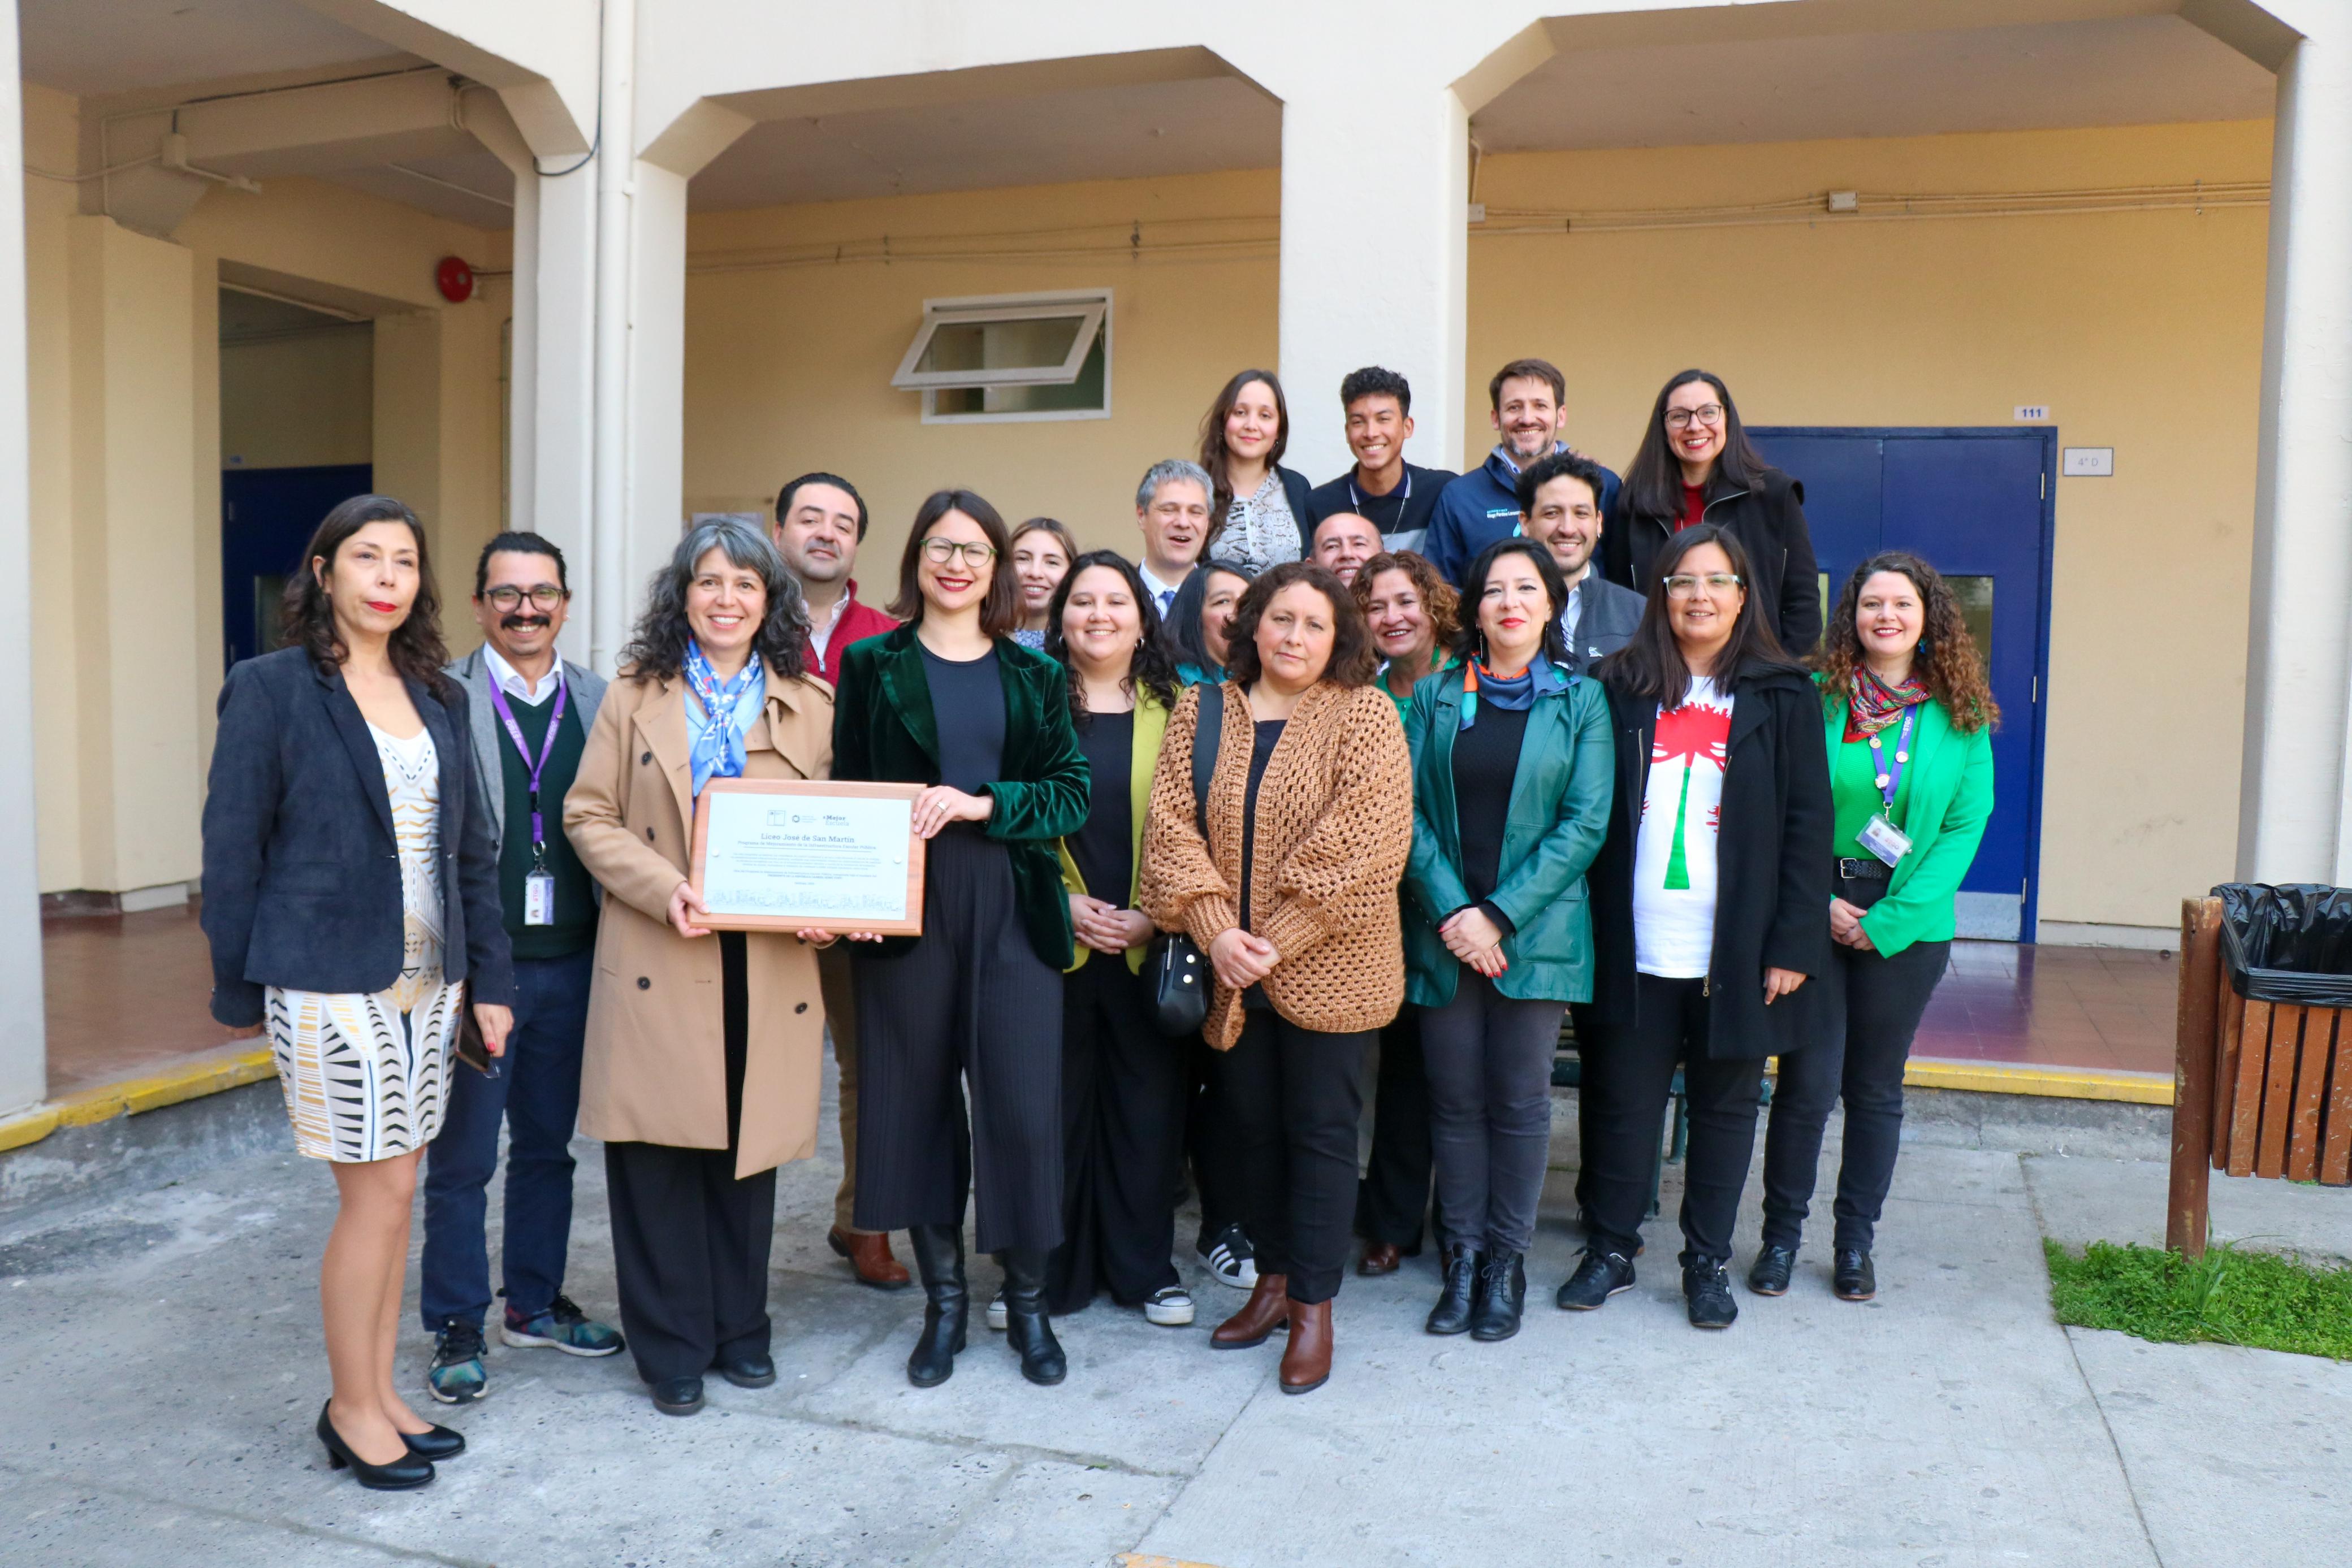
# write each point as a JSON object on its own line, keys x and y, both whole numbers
{"x": 809, "y": 855}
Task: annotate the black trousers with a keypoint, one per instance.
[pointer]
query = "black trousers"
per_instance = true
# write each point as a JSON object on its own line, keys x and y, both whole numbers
{"x": 1629, "y": 1071}
{"x": 691, "y": 1242}
{"x": 1873, "y": 1008}
{"x": 1294, "y": 1097}
{"x": 1122, "y": 1139}
{"x": 1392, "y": 1200}
{"x": 1587, "y": 1130}
{"x": 969, "y": 1009}
{"x": 1209, "y": 1142}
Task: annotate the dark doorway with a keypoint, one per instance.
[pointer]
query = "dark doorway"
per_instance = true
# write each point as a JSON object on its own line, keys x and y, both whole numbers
{"x": 267, "y": 514}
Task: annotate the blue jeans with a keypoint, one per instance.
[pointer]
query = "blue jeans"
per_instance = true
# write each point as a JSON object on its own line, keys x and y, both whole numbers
{"x": 537, "y": 1092}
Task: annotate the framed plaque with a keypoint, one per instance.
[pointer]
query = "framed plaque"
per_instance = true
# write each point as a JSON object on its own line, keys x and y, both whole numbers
{"x": 777, "y": 855}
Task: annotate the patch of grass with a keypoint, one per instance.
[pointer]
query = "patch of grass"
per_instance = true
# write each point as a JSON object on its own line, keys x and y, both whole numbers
{"x": 2230, "y": 1296}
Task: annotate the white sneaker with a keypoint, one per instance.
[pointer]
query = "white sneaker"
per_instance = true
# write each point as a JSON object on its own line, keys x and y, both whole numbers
{"x": 1229, "y": 1257}
{"x": 996, "y": 1318}
{"x": 1170, "y": 1307}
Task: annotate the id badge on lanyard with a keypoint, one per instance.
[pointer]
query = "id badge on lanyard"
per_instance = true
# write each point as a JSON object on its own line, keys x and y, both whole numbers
{"x": 1880, "y": 836}
{"x": 539, "y": 887}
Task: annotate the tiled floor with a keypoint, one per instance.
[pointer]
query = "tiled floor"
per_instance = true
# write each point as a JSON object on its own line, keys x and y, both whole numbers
{"x": 126, "y": 994}
{"x": 2107, "y": 1009}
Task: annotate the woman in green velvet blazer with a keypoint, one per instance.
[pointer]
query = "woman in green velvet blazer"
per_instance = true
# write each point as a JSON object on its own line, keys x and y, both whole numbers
{"x": 1909, "y": 719}
{"x": 951, "y": 701}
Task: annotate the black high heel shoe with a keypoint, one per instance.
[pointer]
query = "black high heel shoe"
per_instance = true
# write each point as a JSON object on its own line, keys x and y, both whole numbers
{"x": 435, "y": 1443}
{"x": 401, "y": 1475}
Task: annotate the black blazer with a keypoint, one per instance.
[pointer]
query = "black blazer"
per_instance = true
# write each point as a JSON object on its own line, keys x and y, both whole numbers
{"x": 1772, "y": 865}
{"x": 301, "y": 870}
{"x": 1769, "y": 519}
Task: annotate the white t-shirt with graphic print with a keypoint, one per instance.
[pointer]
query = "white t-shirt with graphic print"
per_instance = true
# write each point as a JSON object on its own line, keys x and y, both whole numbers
{"x": 1673, "y": 853}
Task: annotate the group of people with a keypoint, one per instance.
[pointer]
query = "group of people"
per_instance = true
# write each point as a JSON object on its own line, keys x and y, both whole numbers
{"x": 1410, "y": 766}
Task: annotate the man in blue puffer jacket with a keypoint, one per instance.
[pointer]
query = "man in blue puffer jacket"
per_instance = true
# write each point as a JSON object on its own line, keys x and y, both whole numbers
{"x": 1482, "y": 505}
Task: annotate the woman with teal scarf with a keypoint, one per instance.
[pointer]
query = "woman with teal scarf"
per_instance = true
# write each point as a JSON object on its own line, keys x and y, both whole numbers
{"x": 1909, "y": 719}
{"x": 1513, "y": 771}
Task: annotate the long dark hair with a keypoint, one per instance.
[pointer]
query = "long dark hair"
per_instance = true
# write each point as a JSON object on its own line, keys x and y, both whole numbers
{"x": 999, "y": 612}
{"x": 1149, "y": 670}
{"x": 1181, "y": 632}
{"x": 415, "y": 647}
{"x": 1653, "y": 480}
{"x": 1354, "y": 660}
{"x": 1470, "y": 638}
{"x": 1651, "y": 664}
{"x": 1217, "y": 460}
{"x": 1946, "y": 658}
{"x": 657, "y": 646}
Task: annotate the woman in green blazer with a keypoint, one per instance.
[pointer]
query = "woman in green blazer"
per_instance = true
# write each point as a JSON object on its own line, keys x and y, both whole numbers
{"x": 1122, "y": 1080}
{"x": 1513, "y": 768}
{"x": 951, "y": 701}
{"x": 1908, "y": 720}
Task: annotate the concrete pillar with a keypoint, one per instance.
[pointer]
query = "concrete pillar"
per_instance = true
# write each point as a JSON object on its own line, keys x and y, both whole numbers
{"x": 131, "y": 303}
{"x": 23, "y": 1056}
{"x": 2294, "y": 822}
{"x": 1375, "y": 240}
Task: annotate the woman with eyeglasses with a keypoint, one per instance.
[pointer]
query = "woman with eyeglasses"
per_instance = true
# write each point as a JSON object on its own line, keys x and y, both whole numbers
{"x": 1696, "y": 465}
{"x": 1908, "y": 720}
{"x": 950, "y": 701}
{"x": 1708, "y": 899}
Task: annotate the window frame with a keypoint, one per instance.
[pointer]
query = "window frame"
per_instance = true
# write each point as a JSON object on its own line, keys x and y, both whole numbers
{"x": 1093, "y": 304}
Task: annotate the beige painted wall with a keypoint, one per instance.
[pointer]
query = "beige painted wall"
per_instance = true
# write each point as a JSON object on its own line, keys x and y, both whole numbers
{"x": 298, "y": 402}
{"x": 51, "y": 134}
{"x": 2141, "y": 331}
{"x": 789, "y": 369}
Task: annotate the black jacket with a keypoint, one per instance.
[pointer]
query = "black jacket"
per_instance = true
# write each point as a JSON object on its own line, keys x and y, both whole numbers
{"x": 1407, "y": 523}
{"x": 1607, "y": 615}
{"x": 301, "y": 868}
{"x": 1772, "y": 865}
{"x": 1769, "y": 519}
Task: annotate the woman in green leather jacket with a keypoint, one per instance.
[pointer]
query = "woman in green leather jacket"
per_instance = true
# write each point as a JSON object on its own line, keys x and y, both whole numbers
{"x": 1513, "y": 768}
{"x": 1909, "y": 719}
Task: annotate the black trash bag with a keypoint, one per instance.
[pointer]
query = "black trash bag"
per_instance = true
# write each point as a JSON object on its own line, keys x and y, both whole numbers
{"x": 2292, "y": 943}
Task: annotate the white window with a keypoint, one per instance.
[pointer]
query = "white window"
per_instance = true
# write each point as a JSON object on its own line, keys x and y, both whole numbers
{"x": 1008, "y": 357}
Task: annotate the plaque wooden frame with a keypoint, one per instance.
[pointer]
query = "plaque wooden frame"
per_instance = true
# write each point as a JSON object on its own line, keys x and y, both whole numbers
{"x": 817, "y": 788}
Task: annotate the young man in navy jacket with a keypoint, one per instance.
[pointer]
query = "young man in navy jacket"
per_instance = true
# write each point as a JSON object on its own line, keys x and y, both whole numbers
{"x": 1482, "y": 505}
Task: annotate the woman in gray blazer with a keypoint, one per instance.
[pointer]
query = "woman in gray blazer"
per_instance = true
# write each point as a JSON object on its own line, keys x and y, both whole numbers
{"x": 351, "y": 897}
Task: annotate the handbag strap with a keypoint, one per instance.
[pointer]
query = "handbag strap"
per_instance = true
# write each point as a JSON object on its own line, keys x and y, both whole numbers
{"x": 1209, "y": 725}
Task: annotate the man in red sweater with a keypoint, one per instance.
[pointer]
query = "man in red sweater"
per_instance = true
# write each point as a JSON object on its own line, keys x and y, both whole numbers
{"x": 820, "y": 521}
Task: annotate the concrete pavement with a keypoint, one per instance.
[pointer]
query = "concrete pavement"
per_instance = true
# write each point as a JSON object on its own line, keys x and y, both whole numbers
{"x": 160, "y": 1366}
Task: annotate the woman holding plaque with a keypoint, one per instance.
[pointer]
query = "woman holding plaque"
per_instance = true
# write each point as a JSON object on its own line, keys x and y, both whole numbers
{"x": 700, "y": 1071}
{"x": 951, "y": 701}
{"x": 1122, "y": 1080}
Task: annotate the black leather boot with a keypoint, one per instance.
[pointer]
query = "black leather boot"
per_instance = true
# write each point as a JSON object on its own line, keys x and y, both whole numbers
{"x": 1026, "y": 1325}
{"x": 1502, "y": 1296}
{"x": 1457, "y": 1298}
{"x": 939, "y": 1258}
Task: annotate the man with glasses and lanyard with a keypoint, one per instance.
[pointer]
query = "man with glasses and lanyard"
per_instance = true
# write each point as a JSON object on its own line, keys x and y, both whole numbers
{"x": 530, "y": 711}
{"x": 1393, "y": 495}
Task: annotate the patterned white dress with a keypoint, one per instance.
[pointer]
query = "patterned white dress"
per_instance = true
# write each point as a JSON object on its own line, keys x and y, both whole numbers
{"x": 1259, "y": 531}
{"x": 367, "y": 1077}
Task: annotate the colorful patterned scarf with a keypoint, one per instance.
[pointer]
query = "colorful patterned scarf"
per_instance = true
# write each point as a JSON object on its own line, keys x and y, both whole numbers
{"x": 1511, "y": 695}
{"x": 1873, "y": 704}
{"x": 719, "y": 748}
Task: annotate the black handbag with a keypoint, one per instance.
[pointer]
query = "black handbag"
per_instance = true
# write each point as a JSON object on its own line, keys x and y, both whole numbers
{"x": 1175, "y": 966}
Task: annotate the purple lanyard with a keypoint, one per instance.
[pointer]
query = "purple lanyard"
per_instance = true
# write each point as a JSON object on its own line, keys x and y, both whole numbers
{"x": 1892, "y": 780}
{"x": 546, "y": 751}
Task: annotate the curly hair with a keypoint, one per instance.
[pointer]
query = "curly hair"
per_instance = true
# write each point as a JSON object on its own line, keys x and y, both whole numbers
{"x": 1438, "y": 600}
{"x": 657, "y": 646}
{"x": 308, "y": 616}
{"x": 1948, "y": 659}
{"x": 1151, "y": 671}
{"x": 1354, "y": 661}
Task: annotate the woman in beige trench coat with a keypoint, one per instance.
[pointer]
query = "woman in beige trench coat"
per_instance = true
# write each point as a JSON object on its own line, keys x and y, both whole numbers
{"x": 700, "y": 1072}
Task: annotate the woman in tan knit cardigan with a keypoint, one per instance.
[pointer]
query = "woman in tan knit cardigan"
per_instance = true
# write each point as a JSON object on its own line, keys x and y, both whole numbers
{"x": 1291, "y": 892}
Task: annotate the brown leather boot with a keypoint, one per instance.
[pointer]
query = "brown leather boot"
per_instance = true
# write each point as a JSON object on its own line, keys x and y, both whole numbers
{"x": 1267, "y": 1308}
{"x": 1380, "y": 1257}
{"x": 1307, "y": 1363}
{"x": 869, "y": 1258}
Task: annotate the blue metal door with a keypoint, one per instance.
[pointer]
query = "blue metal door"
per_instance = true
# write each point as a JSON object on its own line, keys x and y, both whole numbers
{"x": 1975, "y": 504}
{"x": 267, "y": 516}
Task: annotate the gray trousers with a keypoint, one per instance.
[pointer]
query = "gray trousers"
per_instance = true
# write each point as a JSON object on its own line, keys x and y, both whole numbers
{"x": 1489, "y": 1061}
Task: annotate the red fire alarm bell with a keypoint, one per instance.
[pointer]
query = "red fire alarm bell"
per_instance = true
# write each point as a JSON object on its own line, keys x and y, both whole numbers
{"x": 455, "y": 280}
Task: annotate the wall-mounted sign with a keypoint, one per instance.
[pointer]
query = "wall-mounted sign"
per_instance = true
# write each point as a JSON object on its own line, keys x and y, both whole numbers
{"x": 2088, "y": 463}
